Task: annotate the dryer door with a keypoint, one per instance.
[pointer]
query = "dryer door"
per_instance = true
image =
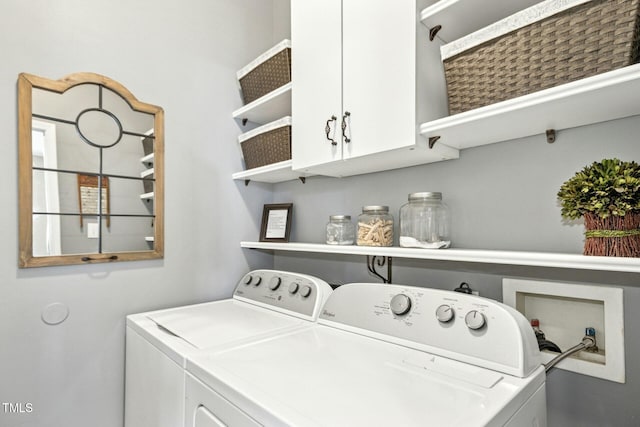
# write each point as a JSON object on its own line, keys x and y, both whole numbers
{"x": 204, "y": 418}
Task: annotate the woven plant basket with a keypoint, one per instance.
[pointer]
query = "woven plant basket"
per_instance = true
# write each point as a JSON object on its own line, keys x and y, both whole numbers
{"x": 612, "y": 236}
{"x": 588, "y": 39}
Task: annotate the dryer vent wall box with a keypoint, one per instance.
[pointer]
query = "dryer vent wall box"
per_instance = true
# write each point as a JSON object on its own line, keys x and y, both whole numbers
{"x": 565, "y": 311}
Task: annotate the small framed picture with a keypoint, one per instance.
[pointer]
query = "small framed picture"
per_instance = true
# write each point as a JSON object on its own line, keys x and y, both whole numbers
{"x": 276, "y": 222}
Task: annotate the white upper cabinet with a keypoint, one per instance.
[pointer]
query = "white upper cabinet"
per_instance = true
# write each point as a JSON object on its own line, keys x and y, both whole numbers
{"x": 361, "y": 87}
{"x": 316, "y": 61}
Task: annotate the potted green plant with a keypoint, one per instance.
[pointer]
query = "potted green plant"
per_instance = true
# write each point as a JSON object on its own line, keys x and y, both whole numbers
{"x": 606, "y": 194}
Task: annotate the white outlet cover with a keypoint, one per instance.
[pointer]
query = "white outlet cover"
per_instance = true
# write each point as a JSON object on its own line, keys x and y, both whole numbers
{"x": 609, "y": 297}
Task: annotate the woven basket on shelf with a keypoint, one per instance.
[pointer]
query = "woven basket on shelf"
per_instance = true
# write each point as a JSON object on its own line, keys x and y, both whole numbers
{"x": 588, "y": 39}
{"x": 267, "y": 76}
{"x": 265, "y": 148}
{"x": 612, "y": 236}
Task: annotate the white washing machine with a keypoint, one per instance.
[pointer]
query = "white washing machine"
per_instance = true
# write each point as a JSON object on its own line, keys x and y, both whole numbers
{"x": 158, "y": 343}
{"x": 379, "y": 355}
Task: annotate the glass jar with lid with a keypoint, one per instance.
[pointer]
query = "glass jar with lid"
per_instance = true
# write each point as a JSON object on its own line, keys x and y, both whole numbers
{"x": 340, "y": 230}
{"x": 425, "y": 222}
{"x": 375, "y": 226}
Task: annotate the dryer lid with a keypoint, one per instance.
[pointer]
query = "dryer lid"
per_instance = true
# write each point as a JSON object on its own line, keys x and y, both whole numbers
{"x": 221, "y": 322}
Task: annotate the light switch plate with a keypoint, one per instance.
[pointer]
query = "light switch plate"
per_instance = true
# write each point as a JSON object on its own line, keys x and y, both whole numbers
{"x": 92, "y": 230}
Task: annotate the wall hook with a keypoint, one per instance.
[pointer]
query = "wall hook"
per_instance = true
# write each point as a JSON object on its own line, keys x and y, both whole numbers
{"x": 551, "y": 136}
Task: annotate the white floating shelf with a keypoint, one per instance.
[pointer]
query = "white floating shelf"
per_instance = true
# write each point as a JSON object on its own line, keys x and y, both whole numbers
{"x": 147, "y": 133}
{"x": 147, "y": 173}
{"x": 276, "y": 172}
{"x": 272, "y": 106}
{"x": 536, "y": 259}
{"x": 147, "y": 196}
{"x": 461, "y": 17}
{"x": 147, "y": 159}
{"x": 596, "y": 99}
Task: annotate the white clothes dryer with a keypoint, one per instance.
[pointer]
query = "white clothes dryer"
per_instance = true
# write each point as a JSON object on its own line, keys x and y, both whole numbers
{"x": 265, "y": 303}
{"x": 379, "y": 355}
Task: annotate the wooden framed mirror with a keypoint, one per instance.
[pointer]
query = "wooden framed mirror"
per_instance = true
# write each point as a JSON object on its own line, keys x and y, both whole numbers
{"x": 91, "y": 172}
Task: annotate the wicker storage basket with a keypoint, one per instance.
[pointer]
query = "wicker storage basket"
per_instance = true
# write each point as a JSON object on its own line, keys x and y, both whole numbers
{"x": 267, "y": 144}
{"x": 549, "y": 44}
{"x": 266, "y": 73}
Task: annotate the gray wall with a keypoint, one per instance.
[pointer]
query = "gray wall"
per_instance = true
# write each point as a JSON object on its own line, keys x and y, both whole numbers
{"x": 502, "y": 196}
{"x": 182, "y": 57}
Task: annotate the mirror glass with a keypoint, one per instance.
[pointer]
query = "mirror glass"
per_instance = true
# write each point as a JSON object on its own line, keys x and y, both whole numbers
{"x": 91, "y": 172}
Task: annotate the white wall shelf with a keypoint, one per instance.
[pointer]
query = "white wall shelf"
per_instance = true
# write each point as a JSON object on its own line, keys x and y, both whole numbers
{"x": 147, "y": 196}
{"x": 276, "y": 172}
{"x": 147, "y": 159}
{"x": 461, "y": 17}
{"x": 273, "y": 106}
{"x": 596, "y": 99}
{"x": 268, "y": 108}
{"x": 147, "y": 173}
{"x": 536, "y": 259}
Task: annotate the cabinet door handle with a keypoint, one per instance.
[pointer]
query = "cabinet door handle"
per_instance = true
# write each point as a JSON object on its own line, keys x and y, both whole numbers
{"x": 344, "y": 127}
{"x": 327, "y": 130}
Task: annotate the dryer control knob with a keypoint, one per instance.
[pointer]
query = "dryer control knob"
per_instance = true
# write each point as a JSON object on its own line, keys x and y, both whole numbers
{"x": 444, "y": 313}
{"x": 258, "y": 281}
{"x": 248, "y": 279}
{"x": 400, "y": 304}
{"x": 275, "y": 283}
{"x": 475, "y": 320}
{"x": 293, "y": 288}
{"x": 305, "y": 291}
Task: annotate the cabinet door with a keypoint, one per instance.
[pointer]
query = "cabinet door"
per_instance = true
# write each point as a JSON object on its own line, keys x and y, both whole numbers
{"x": 379, "y": 75}
{"x": 317, "y": 81}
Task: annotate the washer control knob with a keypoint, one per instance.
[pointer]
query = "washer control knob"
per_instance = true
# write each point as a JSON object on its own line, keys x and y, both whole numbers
{"x": 275, "y": 283}
{"x": 475, "y": 320}
{"x": 258, "y": 281}
{"x": 248, "y": 279}
{"x": 400, "y": 304}
{"x": 305, "y": 291}
{"x": 444, "y": 313}
{"x": 293, "y": 288}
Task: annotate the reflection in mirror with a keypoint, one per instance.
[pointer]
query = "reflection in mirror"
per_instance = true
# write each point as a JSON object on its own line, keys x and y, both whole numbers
{"x": 80, "y": 137}
{"x": 46, "y": 229}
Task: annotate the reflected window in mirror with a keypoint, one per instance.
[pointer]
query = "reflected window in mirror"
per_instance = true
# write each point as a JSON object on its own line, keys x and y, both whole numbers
{"x": 91, "y": 172}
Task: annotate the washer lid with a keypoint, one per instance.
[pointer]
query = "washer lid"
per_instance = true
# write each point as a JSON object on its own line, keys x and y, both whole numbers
{"x": 221, "y": 322}
{"x": 322, "y": 376}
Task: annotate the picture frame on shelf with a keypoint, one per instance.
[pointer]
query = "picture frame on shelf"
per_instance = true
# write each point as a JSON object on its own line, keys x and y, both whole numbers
{"x": 276, "y": 222}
